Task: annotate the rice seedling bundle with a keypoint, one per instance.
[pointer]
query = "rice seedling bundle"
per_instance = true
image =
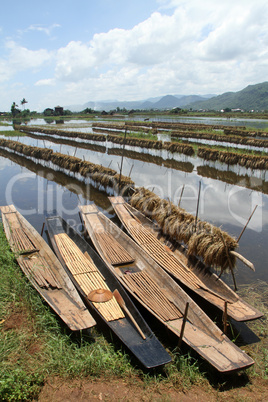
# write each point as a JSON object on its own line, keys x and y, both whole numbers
{"x": 220, "y": 138}
{"x": 62, "y": 133}
{"x": 204, "y": 240}
{"x": 233, "y": 158}
{"x": 139, "y": 142}
{"x": 97, "y": 173}
{"x": 181, "y": 148}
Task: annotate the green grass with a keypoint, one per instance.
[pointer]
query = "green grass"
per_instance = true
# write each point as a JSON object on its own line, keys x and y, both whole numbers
{"x": 257, "y": 295}
{"x": 139, "y": 134}
{"x": 14, "y": 133}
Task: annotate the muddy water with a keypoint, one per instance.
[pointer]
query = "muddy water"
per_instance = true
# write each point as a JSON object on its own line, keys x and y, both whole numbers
{"x": 227, "y": 196}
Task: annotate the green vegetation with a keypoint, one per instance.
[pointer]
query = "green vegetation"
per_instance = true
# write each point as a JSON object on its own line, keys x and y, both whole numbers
{"x": 257, "y": 296}
{"x": 139, "y": 134}
{"x": 10, "y": 133}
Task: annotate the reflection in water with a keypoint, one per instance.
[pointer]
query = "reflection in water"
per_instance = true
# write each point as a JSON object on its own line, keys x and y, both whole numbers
{"x": 71, "y": 143}
{"x": 230, "y": 177}
{"x": 86, "y": 190}
{"x": 226, "y": 205}
{"x": 157, "y": 160}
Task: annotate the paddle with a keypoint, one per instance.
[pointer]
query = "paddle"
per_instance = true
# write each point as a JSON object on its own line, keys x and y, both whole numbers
{"x": 122, "y": 304}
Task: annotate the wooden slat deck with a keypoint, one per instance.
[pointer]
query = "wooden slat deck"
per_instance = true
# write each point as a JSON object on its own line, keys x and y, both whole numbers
{"x": 40, "y": 265}
{"x": 35, "y": 266}
{"x": 140, "y": 282}
{"x": 156, "y": 249}
{"x": 148, "y": 290}
{"x": 87, "y": 275}
{"x": 200, "y": 332}
{"x": 112, "y": 250}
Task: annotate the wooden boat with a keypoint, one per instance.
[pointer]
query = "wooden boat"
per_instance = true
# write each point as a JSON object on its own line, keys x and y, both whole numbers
{"x": 190, "y": 272}
{"x": 44, "y": 271}
{"x": 104, "y": 294}
{"x": 160, "y": 294}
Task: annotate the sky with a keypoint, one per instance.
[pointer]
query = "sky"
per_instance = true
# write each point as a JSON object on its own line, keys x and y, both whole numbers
{"x": 72, "y": 52}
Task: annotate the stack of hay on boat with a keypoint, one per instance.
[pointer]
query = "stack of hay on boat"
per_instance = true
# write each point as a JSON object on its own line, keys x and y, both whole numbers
{"x": 202, "y": 239}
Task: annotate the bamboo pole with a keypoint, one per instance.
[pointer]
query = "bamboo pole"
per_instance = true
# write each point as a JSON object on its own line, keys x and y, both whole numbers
{"x": 239, "y": 237}
{"x": 183, "y": 324}
{"x": 243, "y": 259}
{"x": 230, "y": 264}
{"x": 124, "y": 142}
{"x": 122, "y": 304}
{"x": 197, "y": 207}
{"x": 225, "y": 317}
{"x": 182, "y": 190}
{"x": 42, "y": 230}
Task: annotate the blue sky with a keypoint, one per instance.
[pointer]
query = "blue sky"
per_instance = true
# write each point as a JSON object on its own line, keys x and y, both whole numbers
{"x": 71, "y": 52}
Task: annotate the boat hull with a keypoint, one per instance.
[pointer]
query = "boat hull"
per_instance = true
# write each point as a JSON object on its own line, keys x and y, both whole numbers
{"x": 200, "y": 332}
{"x": 44, "y": 271}
{"x": 212, "y": 288}
{"x": 148, "y": 351}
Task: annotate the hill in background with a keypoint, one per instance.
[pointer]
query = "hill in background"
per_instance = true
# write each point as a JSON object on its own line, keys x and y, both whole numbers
{"x": 253, "y": 97}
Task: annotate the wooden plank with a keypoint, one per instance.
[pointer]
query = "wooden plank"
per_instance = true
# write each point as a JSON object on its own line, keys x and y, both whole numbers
{"x": 87, "y": 275}
{"x": 44, "y": 270}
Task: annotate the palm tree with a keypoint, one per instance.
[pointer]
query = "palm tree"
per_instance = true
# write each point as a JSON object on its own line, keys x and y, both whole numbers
{"x": 13, "y": 109}
{"x": 22, "y": 102}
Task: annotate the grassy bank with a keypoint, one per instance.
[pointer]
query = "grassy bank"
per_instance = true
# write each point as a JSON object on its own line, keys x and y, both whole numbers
{"x": 35, "y": 346}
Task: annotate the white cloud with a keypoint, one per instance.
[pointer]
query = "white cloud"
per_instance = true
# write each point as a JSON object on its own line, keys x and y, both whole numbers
{"x": 21, "y": 58}
{"x": 199, "y": 42}
{"x": 39, "y": 28}
{"x": 46, "y": 82}
{"x": 186, "y": 47}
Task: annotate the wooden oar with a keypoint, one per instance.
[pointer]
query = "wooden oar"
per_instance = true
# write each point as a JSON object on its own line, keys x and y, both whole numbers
{"x": 122, "y": 304}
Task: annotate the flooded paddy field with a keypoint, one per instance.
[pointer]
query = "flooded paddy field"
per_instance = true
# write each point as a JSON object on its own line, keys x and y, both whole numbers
{"x": 228, "y": 193}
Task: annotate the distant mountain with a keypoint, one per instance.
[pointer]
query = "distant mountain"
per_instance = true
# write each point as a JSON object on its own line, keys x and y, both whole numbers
{"x": 253, "y": 97}
{"x": 161, "y": 103}
{"x": 170, "y": 101}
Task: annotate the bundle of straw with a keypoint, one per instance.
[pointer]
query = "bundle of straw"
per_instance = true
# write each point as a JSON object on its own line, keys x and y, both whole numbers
{"x": 203, "y": 239}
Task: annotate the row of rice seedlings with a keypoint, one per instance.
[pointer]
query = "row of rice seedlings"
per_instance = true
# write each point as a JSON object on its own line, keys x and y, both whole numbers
{"x": 113, "y": 128}
{"x": 70, "y": 143}
{"x": 174, "y": 126}
{"x": 100, "y": 174}
{"x": 246, "y": 160}
{"x": 233, "y": 158}
{"x": 117, "y": 126}
{"x": 139, "y": 142}
{"x": 62, "y": 133}
{"x": 218, "y": 137}
{"x": 152, "y": 144}
{"x": 203, "y": 239}
{"x": 153, "y": 159}
{"x": 245, "y": 132}
{"x": 107, "y": 131}
{"x": 153, "y": 127}
{"x": 178, "y": 147}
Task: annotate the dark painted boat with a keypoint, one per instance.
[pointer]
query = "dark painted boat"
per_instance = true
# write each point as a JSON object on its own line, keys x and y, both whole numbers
{"x": 189, "y": 271}
{"x": 44, "y": 271}
{"x": 160, "y": 294}
{"x": 99, "y": 289}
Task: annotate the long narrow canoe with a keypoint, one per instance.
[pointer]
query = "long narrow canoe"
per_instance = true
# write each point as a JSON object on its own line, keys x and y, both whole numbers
{"x": 44, "y": 271}
{"x": 159, "y": 293}
{"x": 194, "y": 275}
{"x": 91, "y": 276}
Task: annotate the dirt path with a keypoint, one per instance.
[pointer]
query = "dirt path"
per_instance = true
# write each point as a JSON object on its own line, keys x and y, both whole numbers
{"x": 58, "y": 390}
